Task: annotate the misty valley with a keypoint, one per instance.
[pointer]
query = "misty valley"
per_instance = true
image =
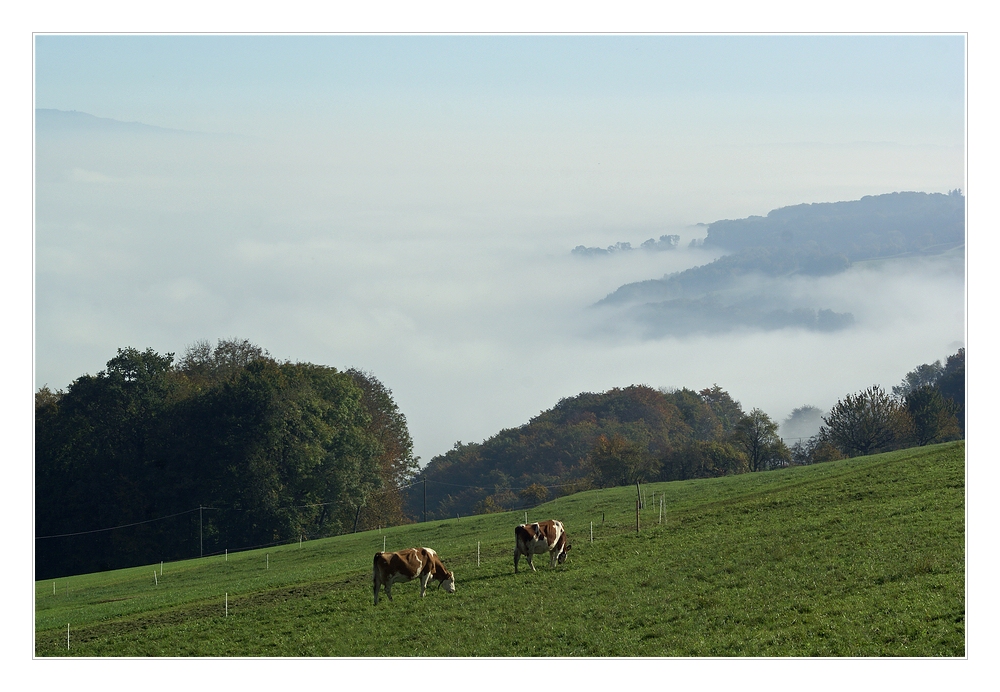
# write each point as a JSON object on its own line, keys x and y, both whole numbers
{"x": 763, "y": 280}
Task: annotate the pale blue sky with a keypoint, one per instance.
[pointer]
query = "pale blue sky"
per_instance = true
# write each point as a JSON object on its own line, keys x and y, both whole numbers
{"x": 217, "y": 82}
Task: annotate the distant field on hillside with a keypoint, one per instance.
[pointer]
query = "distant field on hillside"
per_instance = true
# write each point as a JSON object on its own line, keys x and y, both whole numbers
{"x": 861, "y": 557}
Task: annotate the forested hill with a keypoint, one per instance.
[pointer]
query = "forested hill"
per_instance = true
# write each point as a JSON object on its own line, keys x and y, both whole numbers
{"x": 813, "y": 240}
{"x": 611, "y": 438}
{"x": 225, "y": 449}
{"x": 640, "y": 434}
{"x": 228, "y": 449}
{"x": 745, "y": 288}
{"x": 873, "y": 226}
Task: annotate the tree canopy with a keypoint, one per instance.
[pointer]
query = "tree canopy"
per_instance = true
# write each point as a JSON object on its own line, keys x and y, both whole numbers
{"x": 620, "y": 436}
{"x": 226, "y": 448}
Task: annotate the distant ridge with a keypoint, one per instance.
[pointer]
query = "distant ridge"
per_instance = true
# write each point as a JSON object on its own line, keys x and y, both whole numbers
{"x": 812, "y": 240}
{"x": 873, "y": 226}
{"x": 54, "y": 120}
{"x": 743, "y": 288}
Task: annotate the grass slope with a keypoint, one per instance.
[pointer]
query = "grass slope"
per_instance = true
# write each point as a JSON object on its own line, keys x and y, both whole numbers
{"x": 862, "y": 557}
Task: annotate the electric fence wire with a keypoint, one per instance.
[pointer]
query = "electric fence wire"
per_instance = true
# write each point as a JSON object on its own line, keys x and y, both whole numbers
{"x": 233, "y": 509}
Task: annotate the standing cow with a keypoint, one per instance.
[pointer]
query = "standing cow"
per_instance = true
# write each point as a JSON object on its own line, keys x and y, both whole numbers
{"x": 389, "y": 568}
{"x": 540, "y": 537}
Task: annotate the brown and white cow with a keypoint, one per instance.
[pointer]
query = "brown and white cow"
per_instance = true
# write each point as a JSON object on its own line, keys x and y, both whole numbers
{"x": 540, "y": 537}
{"x": 389, "y": 568}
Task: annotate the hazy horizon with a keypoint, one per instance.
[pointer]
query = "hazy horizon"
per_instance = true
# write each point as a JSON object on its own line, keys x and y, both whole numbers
{"x": 408, "y": 206}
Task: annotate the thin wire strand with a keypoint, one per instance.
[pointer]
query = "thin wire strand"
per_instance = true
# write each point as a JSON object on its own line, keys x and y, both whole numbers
{"x": 234, "y": 509}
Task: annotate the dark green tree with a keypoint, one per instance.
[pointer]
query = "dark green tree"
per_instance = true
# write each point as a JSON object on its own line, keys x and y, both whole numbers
{"x": 273, "y": 451}
{"x": 202, "y": 364}
{"x": 697, "y": 412}
{"x": 757, "y": 436}
{"x": 933, "y": 416}
{"x": 396, "y": 464}
{"x": 952, "y": 384}
{"x": 867, "y": 422}
{"x": 727, "y": 411}
{"x": 534, "y": 494}
{"x": 699, "y": 459}
{"x": 617, "y": 461}
{"x": 95, "y": 460}
{"x": 925, "y": 375}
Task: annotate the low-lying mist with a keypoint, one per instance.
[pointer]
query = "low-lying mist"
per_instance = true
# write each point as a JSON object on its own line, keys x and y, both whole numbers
{"x": 459, "y": 292}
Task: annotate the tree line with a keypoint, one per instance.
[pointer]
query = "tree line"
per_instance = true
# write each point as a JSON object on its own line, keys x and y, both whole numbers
{"x": 228, "y": 448}
{"x": 225, "y": 448}
{"x": 642, "y": 434}
{"x": 927, "y": 407}
{"x": 595, "y": 440}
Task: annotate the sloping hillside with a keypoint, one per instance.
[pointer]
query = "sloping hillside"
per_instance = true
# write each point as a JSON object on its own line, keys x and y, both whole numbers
{"x": 862, "y": 557}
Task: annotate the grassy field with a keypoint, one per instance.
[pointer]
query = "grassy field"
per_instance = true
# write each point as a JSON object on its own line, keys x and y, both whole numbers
{"x": 862, "y": 557}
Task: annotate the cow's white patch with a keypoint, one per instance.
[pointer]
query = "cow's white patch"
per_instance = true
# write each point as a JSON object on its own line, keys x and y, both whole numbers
{"x": 449, "y": 584}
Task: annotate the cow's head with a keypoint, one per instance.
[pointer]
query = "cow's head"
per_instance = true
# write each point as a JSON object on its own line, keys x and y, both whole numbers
{"x": 449, "y": 583}
{"x": 562, "y": 553}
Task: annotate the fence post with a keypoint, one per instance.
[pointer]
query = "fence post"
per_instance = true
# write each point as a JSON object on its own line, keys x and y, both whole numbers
{"x": 637, "y": 516}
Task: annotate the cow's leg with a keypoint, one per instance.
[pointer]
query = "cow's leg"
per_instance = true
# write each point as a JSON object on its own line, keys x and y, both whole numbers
{"x": 375, "y": 585}
{"x": 517, "y": 556}
{"x": 530, "y": 563}
{"x": 424, "y": 578}
{"x": 388, "y": 588}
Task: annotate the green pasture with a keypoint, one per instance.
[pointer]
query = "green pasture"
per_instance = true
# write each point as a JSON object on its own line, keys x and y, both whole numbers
{"x": 862, "y": 557}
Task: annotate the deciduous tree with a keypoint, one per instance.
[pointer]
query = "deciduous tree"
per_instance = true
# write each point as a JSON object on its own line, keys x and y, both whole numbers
{"x": 617, "y": 461}
{"x": 933, "y": 416}
{"x": 867, "y": 422}
{"x": 757, "y": 435}
{"x": 396, "y": 464}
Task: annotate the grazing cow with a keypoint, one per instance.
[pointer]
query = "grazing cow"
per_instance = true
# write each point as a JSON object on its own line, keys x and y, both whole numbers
{"x": 544, "y": 536}
{"x": 390, "y": 568}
